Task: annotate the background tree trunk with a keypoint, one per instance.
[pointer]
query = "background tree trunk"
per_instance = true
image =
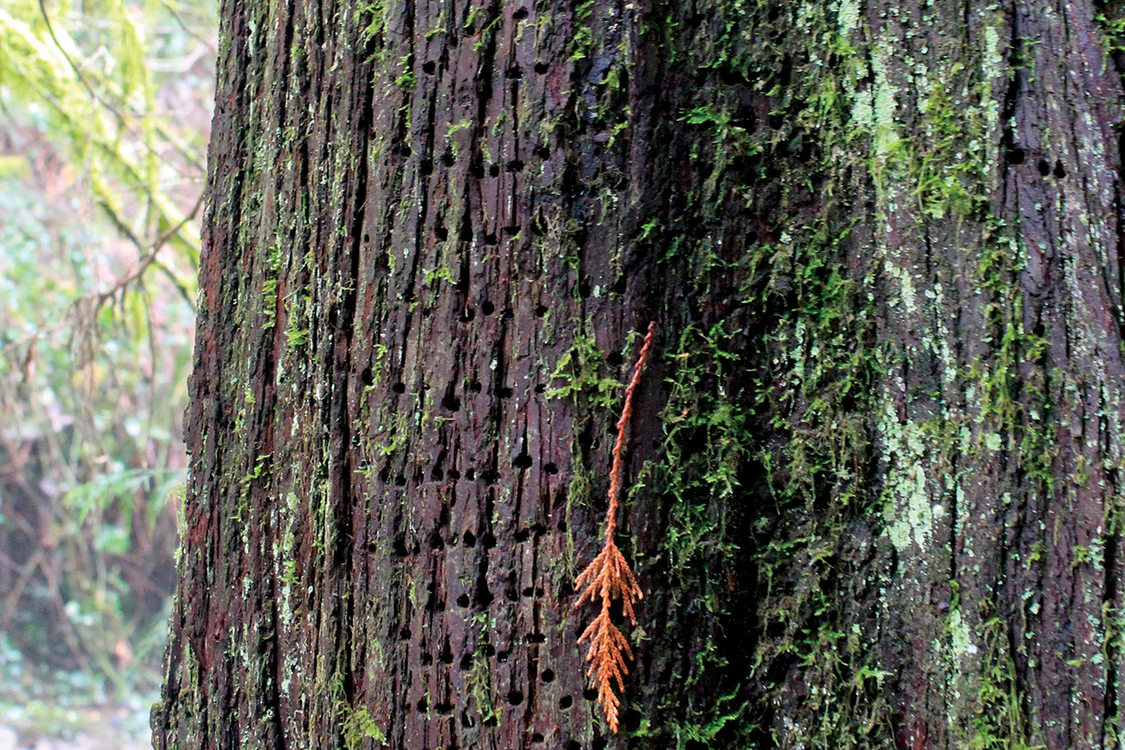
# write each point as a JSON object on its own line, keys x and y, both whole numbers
{"x": 875, "y": 460}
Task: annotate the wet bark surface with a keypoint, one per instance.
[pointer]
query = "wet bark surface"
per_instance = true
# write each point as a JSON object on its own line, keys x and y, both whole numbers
{"x": 876, "y": 453}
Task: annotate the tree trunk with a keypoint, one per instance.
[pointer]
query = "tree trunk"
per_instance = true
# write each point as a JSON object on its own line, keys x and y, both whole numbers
{"x": 873, "y": 470}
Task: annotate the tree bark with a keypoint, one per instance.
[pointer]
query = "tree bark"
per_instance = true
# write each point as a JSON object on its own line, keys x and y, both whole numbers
{"x": 873, "y": 467}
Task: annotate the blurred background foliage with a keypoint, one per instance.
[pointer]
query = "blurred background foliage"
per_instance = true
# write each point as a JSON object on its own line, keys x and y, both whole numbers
{"x": 104, "y": 114}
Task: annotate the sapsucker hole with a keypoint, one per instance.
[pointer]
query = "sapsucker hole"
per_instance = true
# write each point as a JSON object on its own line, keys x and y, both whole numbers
{"x": 566, "y": 702}
{"x": 441, "y": 233}
{"x": 1059, "y": 171}
{"x": 541, "y": 68}
{"x": 548, "y": 676}
{"x": 1044, "y": 167}
{"x": 471, "y": 474}
{"x": 522, "y": 461}
{"x": 454, "y": 474}
{"x": 520, "y": 14}
{"x": 514, "y": 72}
{"x": 615, "y": 359}
{"x": 515, "y": 697}
{"x": 487, "y": 307}
{"x": 429, "y": 67}
{"x": 470, "y": 539}
{"x": 590, "y": 694}
{"x": 426, "y": 659}
{"x": 522, "y": 535}
{"x": 494, "y": 170}
{"x": 550, "y": 468}
{"x": 515, "y": 165}
{"x": 399, "y": 387}
{"x": 463, "y": 600}
{"x": 436, "y": 474}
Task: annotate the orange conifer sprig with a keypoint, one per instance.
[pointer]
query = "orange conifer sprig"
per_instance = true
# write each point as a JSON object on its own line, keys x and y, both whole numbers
{"x": 609, "y": 577}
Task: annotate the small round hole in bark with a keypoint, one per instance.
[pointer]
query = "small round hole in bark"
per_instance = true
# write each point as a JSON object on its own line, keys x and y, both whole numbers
{"x": 590, "y": 694}
{"x": 367, "y": 376}
{"x": 399, "y": 387}
{"x": 476, "y": 386}
{"x": 1016, "y": 156}
{"x": 404, "y": 633}
{"x": 463, "y": 600}
{"x": 490, "y": 476}
{"x": 454, "y": 474}
{"x": 515, "y": 165}
{"x": 487, "y": 307}
{"x": 540, "y": 388}
{"x": 529, "y": 592}
{"x": 511, "y": 595}
{"x": 548, "y": 676}
{"x": 489, "y": 722}
{"x": 615, "y": 359}
{"x": 484, "y": 597}
{"x": 470, "y": 539}
{"x": 399, "y": 548}
{"x": 466, "y": 662}
{"x": 441, "y": 233}
{"x": 584, "y": 289}
{"x": 384, "y": 475}
{"x": 550, "y": 468}
{"x": 514, "y": 72}
{"x": 451, "y": 403}
{"x": 537, "y": 638}
{"x": 466, "y": 720}
{"x": 542, "y": 152}
{"x": 426, "y": 659}
{"x": 536, "y": 737}
{"x": 566, "y": 702}
{"x": 436, "y": 474}
{"x": 400, "y": 480}
{"x": 445, "y": 709}
{"x": 1044, "y": 167}
{"x": 520, "y": 14}
{"x": 423, "y": 706}
{"x": 541, "y": 310}
{"x": 561, "y": 526}
{"x": 429, "y": 67}
{"x": 436, "y": 542}
{"x": 489, "y": 650}
{"x": 523, "y": 535}
{"x": 541, "y": 68}
{"x": 523, "y": 461}
{"x": 512, "y": 230}
{"x": 508, "y": 315}
{"x": 476, "y": 169}
{"x": 447, "y": 159}
{"x": 1059, "y": 171}
{"x": 405, "y": 151}
{"x": 538, "y": 529}
{"x": 515, "y": 697}
{"x": 471, "y": 474}
{"x": 503, "y": 656}
{"x": 490, "y": 238}
{"x": 467, "y": 315}
{"x": 494, "y": 170}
